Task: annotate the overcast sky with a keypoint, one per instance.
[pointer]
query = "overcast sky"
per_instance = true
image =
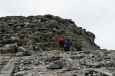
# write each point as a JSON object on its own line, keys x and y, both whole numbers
{"x": 97, "y": 16}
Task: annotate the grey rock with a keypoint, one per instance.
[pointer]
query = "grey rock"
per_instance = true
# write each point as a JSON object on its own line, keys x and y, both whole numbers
{"x": 20, "y": 73}
{"x": 8, "y": 68}
{"x": 73, "y": 75}
{"x": 44, "y": 28}
{"x": 58, "y": 64}
{"x": 20, "y": 54}
{"x": 54, "y": 66}
{"x": 99, "y": 74}
{"x": 95, "y": 64}
{"x": 101, "y": 54}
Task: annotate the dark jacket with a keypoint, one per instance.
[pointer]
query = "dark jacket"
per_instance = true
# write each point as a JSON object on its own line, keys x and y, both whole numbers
{"x": 68, "y": 43}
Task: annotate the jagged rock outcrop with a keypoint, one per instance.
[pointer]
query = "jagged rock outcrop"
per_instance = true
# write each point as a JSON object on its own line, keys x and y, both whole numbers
{"x": 42, "y": 32}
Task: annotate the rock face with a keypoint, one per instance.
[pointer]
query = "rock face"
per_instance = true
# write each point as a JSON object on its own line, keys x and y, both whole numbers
{"x": 42, "y": 32}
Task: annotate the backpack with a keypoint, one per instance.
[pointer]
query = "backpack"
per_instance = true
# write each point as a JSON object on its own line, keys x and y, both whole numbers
{"x": 62, "y": 40}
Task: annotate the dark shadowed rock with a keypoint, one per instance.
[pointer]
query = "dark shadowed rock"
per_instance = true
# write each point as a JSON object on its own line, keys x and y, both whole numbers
{"x": 58, "y": 64}
{"x": 11, "y": 48}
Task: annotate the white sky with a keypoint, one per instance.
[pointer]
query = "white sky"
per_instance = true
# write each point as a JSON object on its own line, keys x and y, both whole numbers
{"x": 97, "y": 16}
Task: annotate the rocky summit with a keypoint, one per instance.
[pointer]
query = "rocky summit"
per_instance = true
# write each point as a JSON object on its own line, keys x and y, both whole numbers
{"x": 29, "y": 47}
{"x": 43, "y": 32}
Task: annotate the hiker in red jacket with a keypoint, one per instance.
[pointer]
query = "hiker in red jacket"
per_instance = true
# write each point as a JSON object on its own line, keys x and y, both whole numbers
{"x": 61, "y": 43}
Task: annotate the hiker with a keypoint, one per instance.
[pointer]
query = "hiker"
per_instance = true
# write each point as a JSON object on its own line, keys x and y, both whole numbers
{"x": 68, "y": 43}
{"x": 61, "y": 43}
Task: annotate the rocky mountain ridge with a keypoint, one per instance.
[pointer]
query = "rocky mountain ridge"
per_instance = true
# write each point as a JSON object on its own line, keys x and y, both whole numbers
{"x": 29, "y": 47}
{"x": 43, "y": 31}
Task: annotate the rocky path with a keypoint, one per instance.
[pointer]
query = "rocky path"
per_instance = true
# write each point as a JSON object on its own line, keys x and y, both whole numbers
{"x": 55, "y": 63}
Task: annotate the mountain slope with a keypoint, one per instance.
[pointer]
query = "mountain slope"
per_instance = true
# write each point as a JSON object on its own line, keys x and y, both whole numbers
{"x": 43, "y": 31}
